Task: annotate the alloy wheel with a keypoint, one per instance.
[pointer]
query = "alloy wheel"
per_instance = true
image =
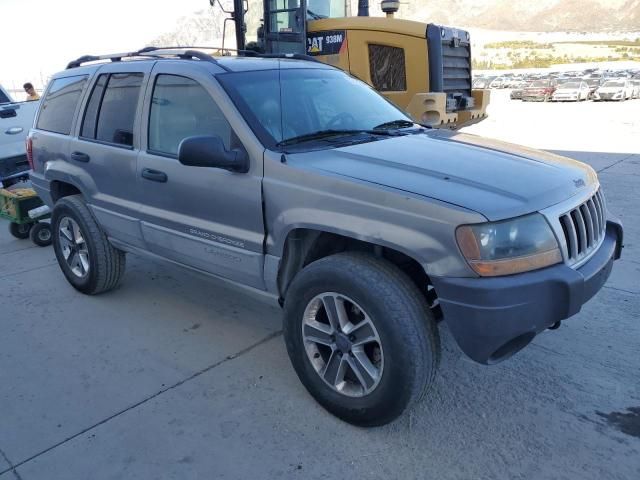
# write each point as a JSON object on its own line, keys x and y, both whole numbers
{"x": 74, "y": 247}
{"x": 342, "y": 344}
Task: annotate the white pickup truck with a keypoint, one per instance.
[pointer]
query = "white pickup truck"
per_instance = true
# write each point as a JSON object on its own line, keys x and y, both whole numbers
{"x": 16, "y": 119}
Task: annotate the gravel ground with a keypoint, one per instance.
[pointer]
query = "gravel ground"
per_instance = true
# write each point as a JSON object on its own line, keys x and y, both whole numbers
{"x": 177, "y": 376}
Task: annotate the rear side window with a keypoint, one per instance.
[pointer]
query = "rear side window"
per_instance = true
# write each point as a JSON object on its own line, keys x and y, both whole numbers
{"x": 59, "y": 104}
{"x": 182, "y": 108}
{"x": 91, "y": 113}
{"x": 111, "y": 111}
{"x": 387, "y": 68}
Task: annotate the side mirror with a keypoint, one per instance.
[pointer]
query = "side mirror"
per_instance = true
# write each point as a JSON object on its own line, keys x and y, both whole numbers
{"x": 209, "y": 151}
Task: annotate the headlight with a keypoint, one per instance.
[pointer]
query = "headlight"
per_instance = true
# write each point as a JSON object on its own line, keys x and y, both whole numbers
{"x": 510, "y": 246}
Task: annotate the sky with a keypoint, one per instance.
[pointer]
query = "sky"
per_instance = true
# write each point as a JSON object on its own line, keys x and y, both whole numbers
{"x": 39, "y": 37}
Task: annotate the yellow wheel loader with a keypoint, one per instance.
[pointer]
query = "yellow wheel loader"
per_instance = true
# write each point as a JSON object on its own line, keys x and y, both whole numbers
{"x": 425, "y": 69}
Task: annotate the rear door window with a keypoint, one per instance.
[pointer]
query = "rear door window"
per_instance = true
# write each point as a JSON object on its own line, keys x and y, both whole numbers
{"x": 59, "y": 104}
{"x": 182, "y": 108}
{"x": 111, "y": 110}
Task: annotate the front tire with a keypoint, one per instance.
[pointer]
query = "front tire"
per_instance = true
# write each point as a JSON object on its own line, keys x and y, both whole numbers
{"x": 361, "y": 337}
{"x": 89, "y": 262}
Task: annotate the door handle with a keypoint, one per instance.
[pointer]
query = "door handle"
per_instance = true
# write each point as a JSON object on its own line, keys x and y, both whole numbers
{"x": 80, "y": 157}
{"x": 13, "y": 130}
{"x": 154, "y": 175}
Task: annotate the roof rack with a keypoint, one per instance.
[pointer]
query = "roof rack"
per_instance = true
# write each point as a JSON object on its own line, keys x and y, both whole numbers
{"x": 149, "y": 52}
{"x": 295, "y": 56}
{"x": 191, "y": 52}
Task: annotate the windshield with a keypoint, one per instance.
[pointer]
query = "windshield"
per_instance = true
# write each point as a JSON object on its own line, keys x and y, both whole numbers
{"x": 618, "y": 83}
{"x": 571, "y": 85}
{"x": 324, "y": 9}
{"x": 284, "y": 104}
{"x": 540, "y": 83}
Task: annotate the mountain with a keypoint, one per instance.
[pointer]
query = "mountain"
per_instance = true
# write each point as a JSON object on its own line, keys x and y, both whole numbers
{"x": 206, "y": 26}
{"x": 519, "y": 15}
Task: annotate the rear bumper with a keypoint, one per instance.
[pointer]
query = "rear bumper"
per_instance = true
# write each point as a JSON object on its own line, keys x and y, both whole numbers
{"x": 493, "y": 318}
{"x": 14, "y": 167}
{"x": 431, "y": 109}
{"x": 42, "y": 188}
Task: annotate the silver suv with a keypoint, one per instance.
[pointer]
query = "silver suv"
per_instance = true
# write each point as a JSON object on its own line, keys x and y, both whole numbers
{"x": 298, "y": 181}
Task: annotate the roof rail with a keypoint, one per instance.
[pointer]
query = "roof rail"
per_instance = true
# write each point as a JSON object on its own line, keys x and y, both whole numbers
{"x": 295, "y": 56}
{"x": 149, "y": 52}
{"x": 185, "y": 52}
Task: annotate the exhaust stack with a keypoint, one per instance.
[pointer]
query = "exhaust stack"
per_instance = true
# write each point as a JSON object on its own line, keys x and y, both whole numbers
{"x": 363, "y": 8}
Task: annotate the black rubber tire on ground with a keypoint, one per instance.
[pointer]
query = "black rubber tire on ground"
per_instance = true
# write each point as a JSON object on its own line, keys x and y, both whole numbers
{"x": 406, "y": 327}
{"x": 40, "y": 234}
{"x": 20, "y": 230}
{"x": 106, "y": 263}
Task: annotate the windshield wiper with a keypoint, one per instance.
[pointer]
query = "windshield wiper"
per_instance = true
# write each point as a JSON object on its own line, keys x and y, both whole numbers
{"x": 315, "y": 16}
{"x": 321, "y": 134}
{"x": 401, "y": 123}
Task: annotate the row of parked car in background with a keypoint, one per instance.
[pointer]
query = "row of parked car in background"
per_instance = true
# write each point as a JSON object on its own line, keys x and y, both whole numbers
{"x": 567, "y": 87}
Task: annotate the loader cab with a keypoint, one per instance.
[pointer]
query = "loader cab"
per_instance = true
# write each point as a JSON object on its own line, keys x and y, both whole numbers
{"x": 425, "y": 69}
{"x": 285, "y": 23}
{"x": 285, "y": 26}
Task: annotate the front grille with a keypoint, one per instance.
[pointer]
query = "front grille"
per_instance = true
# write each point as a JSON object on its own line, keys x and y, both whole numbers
{"x": 584, "y": 227}
{"x": 456, "y": 69}
{"x": 450, "y": 65}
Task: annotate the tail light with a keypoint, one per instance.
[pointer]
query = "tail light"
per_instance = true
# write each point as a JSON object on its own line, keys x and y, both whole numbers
{"x": 29, "y": 145}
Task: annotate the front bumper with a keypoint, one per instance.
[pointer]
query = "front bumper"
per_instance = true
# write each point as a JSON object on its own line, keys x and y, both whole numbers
{"x": 609, "y": 96}
{"x": 565, "y": 98}
{"x": 533, "y": 97}
{"x": 493, "y": 318}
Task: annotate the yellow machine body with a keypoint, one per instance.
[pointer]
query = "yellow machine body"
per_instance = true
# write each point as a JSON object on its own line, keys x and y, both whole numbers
{"x": 345, "y": 43}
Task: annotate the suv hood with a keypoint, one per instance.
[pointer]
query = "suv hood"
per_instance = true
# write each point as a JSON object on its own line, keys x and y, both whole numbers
{"x": 567, "y": 90}
{"x": 610, "y": 89}
{"x": 496, "y": 179}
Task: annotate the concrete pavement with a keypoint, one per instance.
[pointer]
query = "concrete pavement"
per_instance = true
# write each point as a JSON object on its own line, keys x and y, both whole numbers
{"x": 177, "y": 376}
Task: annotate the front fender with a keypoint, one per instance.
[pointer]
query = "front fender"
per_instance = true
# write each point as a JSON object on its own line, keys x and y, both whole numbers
{"x": 419, "y": 227}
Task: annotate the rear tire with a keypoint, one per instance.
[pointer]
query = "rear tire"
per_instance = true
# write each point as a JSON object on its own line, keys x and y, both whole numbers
{"x": 89, "y": 262}
{"x": 379, "y": 302}
{"x": 20, "y": 230}
{"x": 40, "y": 234}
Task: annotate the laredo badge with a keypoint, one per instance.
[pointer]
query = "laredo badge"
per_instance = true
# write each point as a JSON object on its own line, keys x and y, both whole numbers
{"x": 329, "y": 42}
